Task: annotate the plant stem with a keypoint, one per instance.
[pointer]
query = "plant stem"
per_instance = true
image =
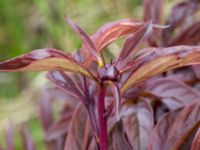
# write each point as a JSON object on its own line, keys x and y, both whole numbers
{"x": 102, "y": 119}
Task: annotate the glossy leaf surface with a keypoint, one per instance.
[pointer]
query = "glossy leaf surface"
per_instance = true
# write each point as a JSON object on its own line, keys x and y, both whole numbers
{"x": 113, "y": 30}
{"x": 163, "y": 59}
{"x": 88, "y": 43}
{"x": 43, "y": 60}
{"x": 119, "y": 139}
{"x": 173, "y": 93}
{"x": 138, "y": 123}
{"x": 169, "y": 133}
{"x": 66, "y": 83}
{"x": 129, "y": 48}
{"x": 179, "y": 14}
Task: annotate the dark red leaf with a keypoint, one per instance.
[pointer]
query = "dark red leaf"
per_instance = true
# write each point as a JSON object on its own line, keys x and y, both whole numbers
{"x": 110, "y": 32}
{"x": 129, "y": 48}
{"x": 160, "y": 132}
{"x": 58, "y": 129}
{"x": 113, "y": 30}
{"x": 161, "y": 60}
{"x": 179, "y": 14}
{"x": 119, "y": 140}
{"x": 117, "y": 99}
{"x": 173, "y": 93}
{"x": 66, "y": 83}
{"x": 189, "y": 36}
{"x": 138, "y": 123}
{"x": 153, "y": 11}
{"x": 88, "y": 43}
{"x": 77, "y": 128}
{"x": 43, "y": 60}
{"x": 174, "y": 129}
{"x": 27, "y": 139}
{"x": 197, "y": 70}
{"x": 45, "y": 111}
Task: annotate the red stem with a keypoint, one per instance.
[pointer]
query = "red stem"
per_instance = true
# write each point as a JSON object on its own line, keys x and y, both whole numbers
{"x": 102, "y": 120}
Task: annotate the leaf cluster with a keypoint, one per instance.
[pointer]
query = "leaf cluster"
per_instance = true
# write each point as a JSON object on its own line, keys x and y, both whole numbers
{"x": 151, "y": 95}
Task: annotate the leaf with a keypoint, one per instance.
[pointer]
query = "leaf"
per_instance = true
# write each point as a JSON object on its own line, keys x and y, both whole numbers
{"x": 59, "y": 128}
{"x": 196, "y": 69}
{"x": 160, "y": 132}
{"x": 138, "y": 123}
{"x": 128, "y": 50}
{"x": 161, "y": 60}
{"x": 43, "y": 60}
{"x": 169, "y": 133}
{"x": 66, "y": 83}
{"x": 110, "y": 32}
{"x": 189, "y": 36}
{"x": 173, "y": 93}
{"x": 153, "y": 10}
{"x": 179, "y": 14}
{"x": 45, "y": 111}
{"x": 77, "y": 129}
{"x": 196, "y": 141}
{"x": 88, "y": 43}
{"x": 113, "y": 30}
{"x": 117, "y": 98}
{"x": 119, "y": 139}
{"x": 27, "y": 139}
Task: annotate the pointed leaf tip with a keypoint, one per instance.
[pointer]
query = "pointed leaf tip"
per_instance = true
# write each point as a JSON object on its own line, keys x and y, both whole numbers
{"x": 91, "y": 49}
{"x": 161, "y": 60}
{"x": 43, "y": 60}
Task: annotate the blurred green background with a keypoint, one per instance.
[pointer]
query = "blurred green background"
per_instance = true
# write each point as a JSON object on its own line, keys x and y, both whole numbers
{"x": 26, "y": 25}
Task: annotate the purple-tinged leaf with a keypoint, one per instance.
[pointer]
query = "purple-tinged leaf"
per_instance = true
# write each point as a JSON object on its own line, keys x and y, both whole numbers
{"x": 87, "y": 136}
{"x": 169, "y": 133}
{"x": 184, "y": 74}
{"x": 129, "y": 48}
{"x": 189, "y": 36}
{"x": 119, "y": 139}
{"x": 153, "y": 11}
{"x": 27, "y": 139}
{"x": 113, "y": 30}
{"x": 160, "y": 132}
{"x": 179, "y": 14}
{"x": 75, "y": 137}
{"x": 43, "y": 60}
{"x": 196, "y": 69}
{"x": 196, "y": 141}
{"x": 88, "y": 43}
{"x": 45, "y": 111}
{"x": 59, "y": 128}
{"x": 173, "y": 93}
{"x": 161, "y": 60}
{"x": 10, "y": 137}
{"x": 66, "y": 83}
{"x": 117, "y": 98}
{"x": 110, "y": 32}
{"x": 138, "y": 123}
